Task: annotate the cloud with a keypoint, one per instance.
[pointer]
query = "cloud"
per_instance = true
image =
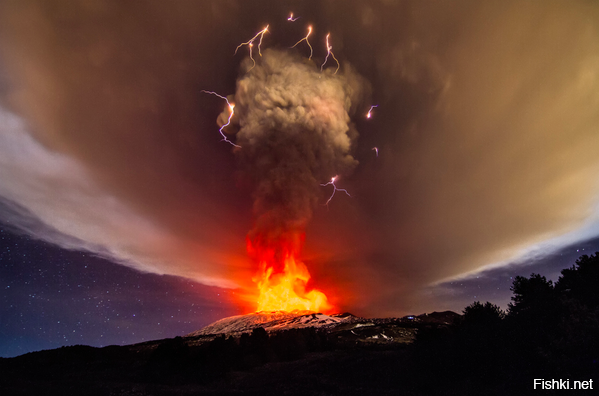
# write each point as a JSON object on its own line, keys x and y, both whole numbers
{"x": 488, "y": 140}
{"x": 295, "y": 133}
{"x": 53, "y": 197}
{"x": 486, "y": 129}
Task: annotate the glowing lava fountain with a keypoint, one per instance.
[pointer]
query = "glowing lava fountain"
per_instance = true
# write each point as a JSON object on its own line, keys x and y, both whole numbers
{"x": 293, "y": 129}
{"x": 282, "y": 281}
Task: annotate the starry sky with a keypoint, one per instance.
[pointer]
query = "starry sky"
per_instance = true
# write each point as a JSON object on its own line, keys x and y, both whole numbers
{"x": 53, "y": 297}
{"x": 123, "y": 215}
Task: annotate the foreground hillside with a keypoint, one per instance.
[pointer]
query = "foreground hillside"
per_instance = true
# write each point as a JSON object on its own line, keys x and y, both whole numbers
{"x": 549, "y": 332}
{"x": 305, "y": 351}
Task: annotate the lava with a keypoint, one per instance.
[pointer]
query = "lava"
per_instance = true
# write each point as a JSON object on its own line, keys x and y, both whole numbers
{"x": 282, "y": 280}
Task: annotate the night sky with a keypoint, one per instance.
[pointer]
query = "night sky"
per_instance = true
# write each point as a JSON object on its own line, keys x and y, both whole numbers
{"x": 53, "y": 297}
{"x": 123, "y": 216}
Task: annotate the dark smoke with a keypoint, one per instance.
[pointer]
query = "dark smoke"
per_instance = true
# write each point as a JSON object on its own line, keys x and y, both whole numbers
{"x": 295, "y": 132}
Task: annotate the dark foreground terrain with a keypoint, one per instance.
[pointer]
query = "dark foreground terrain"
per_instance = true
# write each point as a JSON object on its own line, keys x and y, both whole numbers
{"x": 551, "y": 331}
{"x": 360, "y": 357}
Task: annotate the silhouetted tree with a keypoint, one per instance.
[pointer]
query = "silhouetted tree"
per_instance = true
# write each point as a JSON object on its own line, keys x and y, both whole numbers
{"x": 581, "y": 281}
{"x": 259, "y": 338}
{"x": 531, "y": 295}
{"x": 575, "y": 347}
{"x": 532, "y": 318}
{"x": 486, "y": 315}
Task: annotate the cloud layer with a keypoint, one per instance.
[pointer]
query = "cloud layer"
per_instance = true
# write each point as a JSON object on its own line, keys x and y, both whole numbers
{"x": 486, "y": 129}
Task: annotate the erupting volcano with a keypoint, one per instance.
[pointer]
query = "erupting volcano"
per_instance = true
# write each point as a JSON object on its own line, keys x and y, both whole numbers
{"x": 293, "y": 131}
{"x": 282, "y": 281}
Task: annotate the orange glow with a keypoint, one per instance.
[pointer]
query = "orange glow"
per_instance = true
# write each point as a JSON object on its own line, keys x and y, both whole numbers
{"x": 282, "y": 281}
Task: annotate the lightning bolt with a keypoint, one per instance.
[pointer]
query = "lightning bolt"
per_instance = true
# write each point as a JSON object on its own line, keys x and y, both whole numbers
{"x": 376, "y": 150}
{"x": 291, "y": 18}
{"x": 250, "y": 44}
{"x": 307, "y": 42}
{"x": 369, "y": 114}
{"x": 231, "y": 110}
{"x": 329, "y": 52}
{"x": 335, "y": 189}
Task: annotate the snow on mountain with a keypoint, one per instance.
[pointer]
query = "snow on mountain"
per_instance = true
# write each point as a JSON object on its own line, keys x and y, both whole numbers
{"x": 309, "y": 320}
{"x": 272, "y": 321}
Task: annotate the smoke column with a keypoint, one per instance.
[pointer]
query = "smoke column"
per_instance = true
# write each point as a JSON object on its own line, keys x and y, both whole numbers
{"x": 294, "y": 129}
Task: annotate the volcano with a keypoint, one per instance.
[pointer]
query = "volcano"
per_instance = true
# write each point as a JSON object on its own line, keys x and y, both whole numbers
{"x": 261, "y": 353}
{"x": 274, "y": 321}
{"x": 345, "y": 327}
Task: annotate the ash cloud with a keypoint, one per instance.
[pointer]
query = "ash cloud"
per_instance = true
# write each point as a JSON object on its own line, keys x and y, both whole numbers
{"x": 101, "y": 133}
{"x": 54, "y": 198}
{"x": 295, "y": 131}
{"x": 486, "y": 136}
{"x": 486, "y": 129}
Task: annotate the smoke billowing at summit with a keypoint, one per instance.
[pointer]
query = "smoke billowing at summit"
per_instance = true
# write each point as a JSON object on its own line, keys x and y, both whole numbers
{"x": 485, "y": 133}
{"x": 294, "y": 130}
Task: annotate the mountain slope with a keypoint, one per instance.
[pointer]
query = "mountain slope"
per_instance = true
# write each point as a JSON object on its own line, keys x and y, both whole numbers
{"x": 272, "y": 321}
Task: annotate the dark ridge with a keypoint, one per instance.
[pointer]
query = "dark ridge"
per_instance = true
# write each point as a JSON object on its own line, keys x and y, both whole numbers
{"x": 549, "y": 331}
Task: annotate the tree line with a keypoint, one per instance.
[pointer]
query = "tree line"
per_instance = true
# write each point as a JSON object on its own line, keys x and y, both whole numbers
{"x": 549, "y": 331}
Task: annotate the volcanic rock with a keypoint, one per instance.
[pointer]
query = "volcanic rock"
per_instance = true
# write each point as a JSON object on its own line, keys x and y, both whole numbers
{"x": 273, "y": 321}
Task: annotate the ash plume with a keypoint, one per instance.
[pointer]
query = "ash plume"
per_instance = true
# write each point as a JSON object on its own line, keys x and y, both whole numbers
{"x": 295, "y": 131}
{"x": 486, "y": 128}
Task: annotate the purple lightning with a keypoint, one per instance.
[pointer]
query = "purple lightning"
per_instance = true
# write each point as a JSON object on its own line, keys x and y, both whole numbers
{"x": 231, "y": 109}
{"x": 291, "y": 18}
{"x": 369, "y": 114}
{"x": 329, "y": 52}
{"x": 335, "y": 189}
{"x": 376, "y": 150}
